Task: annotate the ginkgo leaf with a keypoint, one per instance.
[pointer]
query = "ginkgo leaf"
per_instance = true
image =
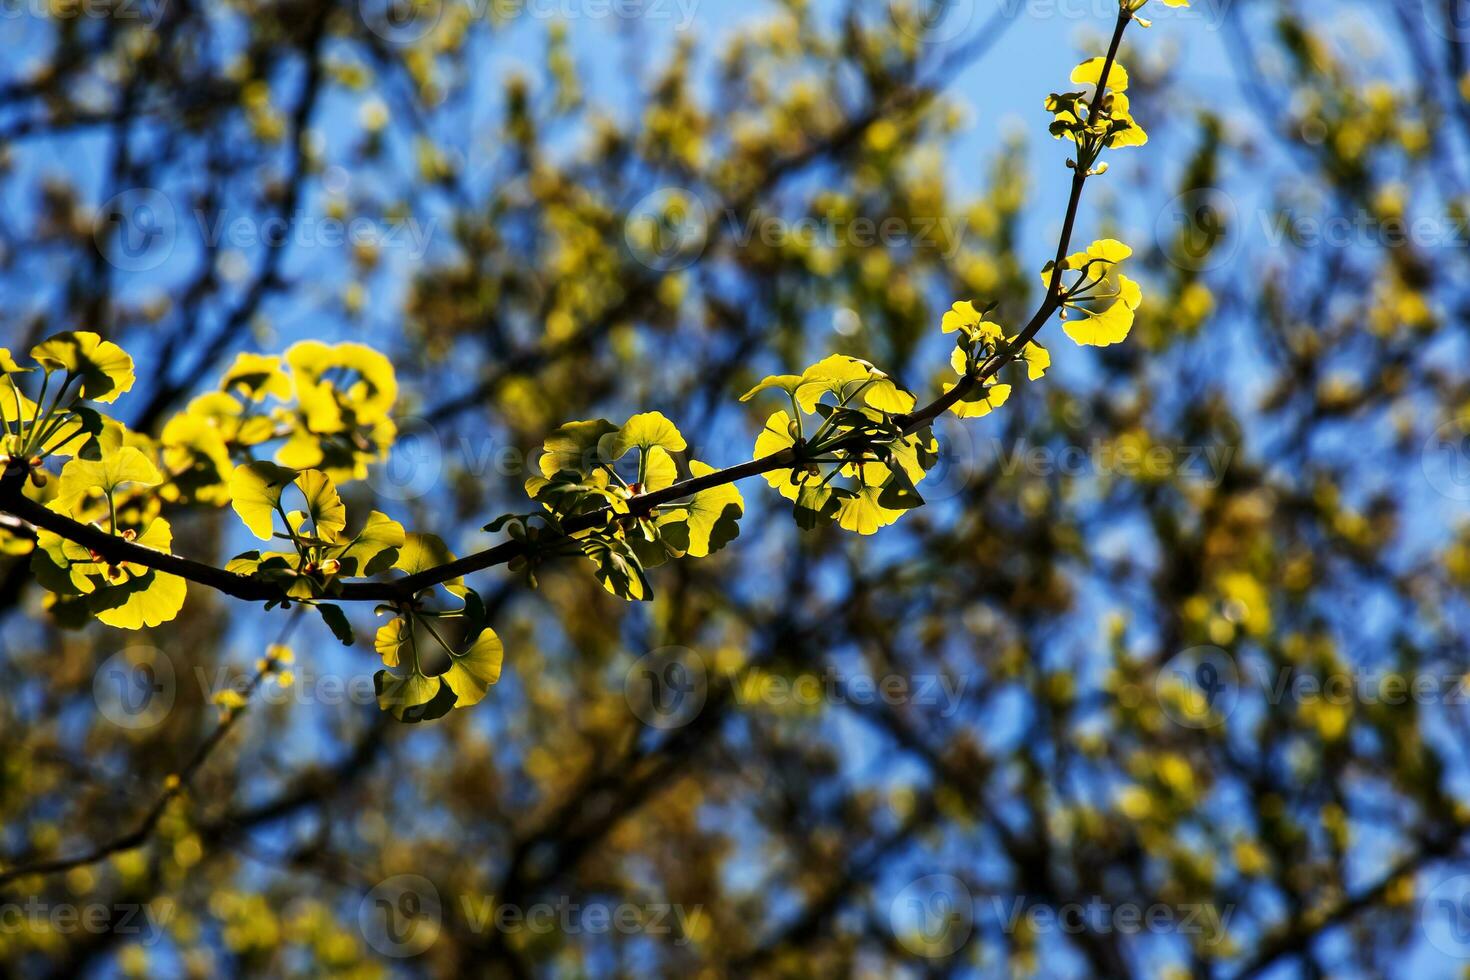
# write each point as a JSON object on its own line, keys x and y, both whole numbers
{"x": 256, "y": 376}
{"x": 197, "y": 458}
{"x": 617, "y": 568}
{"x": 885, "y": 396}
{"x": 145, "y": 600}
{"x": 963, "y": 316}
{"x": 776, "y": 382}
{"x": 861, "y": 512}
{"x": 982, "y": 403}
{"x": 775, "y": 437}
{"x": 573, "y": 446}
{"x": 105, "y": 369}
{"x": 473, "y": 672}
{"x": 1110, "y": 325}
{"x": 401, "y": 694}
{"x": 1037, "y": 359}
{"x": 9, "y": 365}
{"x": 323, "y": 504}
{"x": 255, "y": 494}
{"x": 79, "y": 477}
{"x": 642, "y": 431}
{"x": 659, "y": 470}
{"x": 837, "y": 374}
{"x": 1090, "y": 71}
{"x": 713, "y": 515}
{"x": 369, "y": 392}
{"x": 390, "y": 640}
{"x": 421, "y": 552}
{"x": 375, "y": 548}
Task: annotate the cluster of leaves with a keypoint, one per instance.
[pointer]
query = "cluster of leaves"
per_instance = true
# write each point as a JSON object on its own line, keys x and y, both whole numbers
{"x": 853, "y": 461}
{"x": 332, "y": 412}
{"x": 580, "y": 476}
{"x": 427, "y": 675}
{"x": 851, "y": 451}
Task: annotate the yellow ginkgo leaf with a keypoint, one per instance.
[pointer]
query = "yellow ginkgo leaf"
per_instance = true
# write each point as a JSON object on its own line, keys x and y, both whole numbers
{"x": 473, "y": 672}
{"x": 775, "y": 437}
{"x": 659, "y": 470}
{"x": 776, "y": 382}
{"x": 713, "y": 515}
{"x": 323, "y": 504}
{"x": 256, "y": 376}
{"x": 861, "y": 513}
{"x": 79, "y": 477}
{"x": 964, "y": 316}
{"x": 390, "y": 640}
{"x": 255, "y": 494}
{"x": 1108, "y": 326}
{"x": 642, "y": 431}
{"x": 148, "y": 600}
{"x": 573, "y": 446}
{"x": 104, "y": 368}
{"x": 1037, "y": 359}
{"x": 982, "y": 404}
{"x": 1089, "y": 71}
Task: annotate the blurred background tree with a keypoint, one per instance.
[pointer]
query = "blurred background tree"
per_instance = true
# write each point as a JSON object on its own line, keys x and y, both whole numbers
{"x": 1181, "y": 631}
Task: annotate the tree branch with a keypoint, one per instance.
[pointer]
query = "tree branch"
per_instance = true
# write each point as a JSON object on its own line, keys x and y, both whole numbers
{"x": 116, "y": 550}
